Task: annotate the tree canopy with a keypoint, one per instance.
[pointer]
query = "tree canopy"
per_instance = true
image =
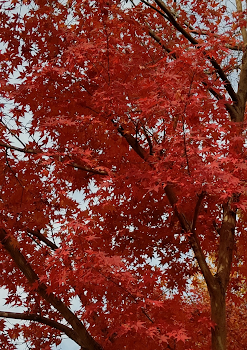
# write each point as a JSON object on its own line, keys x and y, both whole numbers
{"x": 123, "y": 173}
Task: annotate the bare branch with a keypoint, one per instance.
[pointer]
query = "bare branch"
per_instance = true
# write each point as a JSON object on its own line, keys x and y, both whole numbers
{"x": 217, "y": 95}
{"x": 12, "y": 133}
{"x": 151, "y": 150}
{"x": 87, "y": 169}
{"x": 173, "y": 21}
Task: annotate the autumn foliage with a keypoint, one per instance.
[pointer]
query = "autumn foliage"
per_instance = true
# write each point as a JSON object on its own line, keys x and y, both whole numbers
{"x": 123, "y": 174}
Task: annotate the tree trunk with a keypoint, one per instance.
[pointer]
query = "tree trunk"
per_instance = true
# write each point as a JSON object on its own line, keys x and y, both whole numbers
{"x": 218, "y": 317}
{"x": 217, "y": 290}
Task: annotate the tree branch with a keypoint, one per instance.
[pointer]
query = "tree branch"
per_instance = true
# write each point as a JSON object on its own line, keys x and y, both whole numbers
{"x": 226, "y": 245}
{"x": 151, "y": 150}
{"x": 40, "y": 319}
{"x": 132, "y": 141}
{"x": 239, "y": 107}
{"x": 186, "y": 226}
{"x": 243, "y": 29}
{"x": 14, "y": 148}
{"x": 193, "y": 239}
{"x": 173, "y": 21}
{"x": 196, "y": 212}
{"x": 42, "y": 238}
{"x": 72, "y": 164}
{"x": 87, "y": 169}
{"x": 160, "y": 42}
{"x": 155, "y": 9}
{"x": 158, "y": 39}
{"x": 188, "y": 36}
{"x": 85, "y": 340}
{"x": 236, "y": 111}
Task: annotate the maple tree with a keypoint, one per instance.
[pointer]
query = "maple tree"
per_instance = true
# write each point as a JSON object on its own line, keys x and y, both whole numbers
{"x": 138, "y": 108}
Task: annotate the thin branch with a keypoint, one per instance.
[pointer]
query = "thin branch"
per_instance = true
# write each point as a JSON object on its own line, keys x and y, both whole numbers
{"x": 185, "y": 146}
{"x": 216, "y": 94}
{"x": 216, "y": 66}
{"x": 155, "y": 9}
{"x": 186, "y": 226}
{"x": 10, "y": 168}
{"x": 197, "y": 208}
{"x": 72, "y": 164}
{"x": 173, "y": 21}
{"x": 160, "y": 42}
{"x": 202, "y": 32}
{"x": 184, "y": 136}
{"x": 23, "y": 150}
{"x": 40, "y": 319}
{"x": 236, "y": 110}
{"x": 34, "y": 239}
{"x": 54, "y": 247}
{"x": 192, "y": 30}
{"x": 224, "y": 78}
{"x": 42, "y": 238}
{"x": 12, "y": 133}
{"x": 87, "y": 169}
{"x": 127, "y": 292}
{"x": 108, "y": 55}
{"x": 158, "y": 39}
{"x": 131, "y": 141}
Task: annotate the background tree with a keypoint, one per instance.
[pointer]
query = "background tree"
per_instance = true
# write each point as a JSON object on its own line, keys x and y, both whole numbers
{"x": 139, "y": 109}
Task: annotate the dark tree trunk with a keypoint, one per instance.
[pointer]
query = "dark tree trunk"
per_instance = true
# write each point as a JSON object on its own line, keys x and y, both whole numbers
{"x": 218, "y": 317}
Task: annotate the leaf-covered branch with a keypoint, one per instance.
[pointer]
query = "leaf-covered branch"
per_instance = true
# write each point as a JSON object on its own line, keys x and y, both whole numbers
{"x": 40, "y": 319}
{"x": 83, "y": 337}
{"x": 192, "y": 237}
{"x": 70, "y": 163}
{"x": 236, "y": 110}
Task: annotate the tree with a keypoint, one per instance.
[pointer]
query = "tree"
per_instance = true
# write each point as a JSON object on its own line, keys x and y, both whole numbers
{"x": 139, "y": 109}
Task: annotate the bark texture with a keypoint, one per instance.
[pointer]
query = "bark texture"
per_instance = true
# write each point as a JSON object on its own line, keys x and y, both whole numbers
{"x": 218, "y": 317}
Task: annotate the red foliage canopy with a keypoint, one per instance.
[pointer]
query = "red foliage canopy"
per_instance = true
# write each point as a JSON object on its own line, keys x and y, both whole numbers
{"x": 123, "y": 172}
